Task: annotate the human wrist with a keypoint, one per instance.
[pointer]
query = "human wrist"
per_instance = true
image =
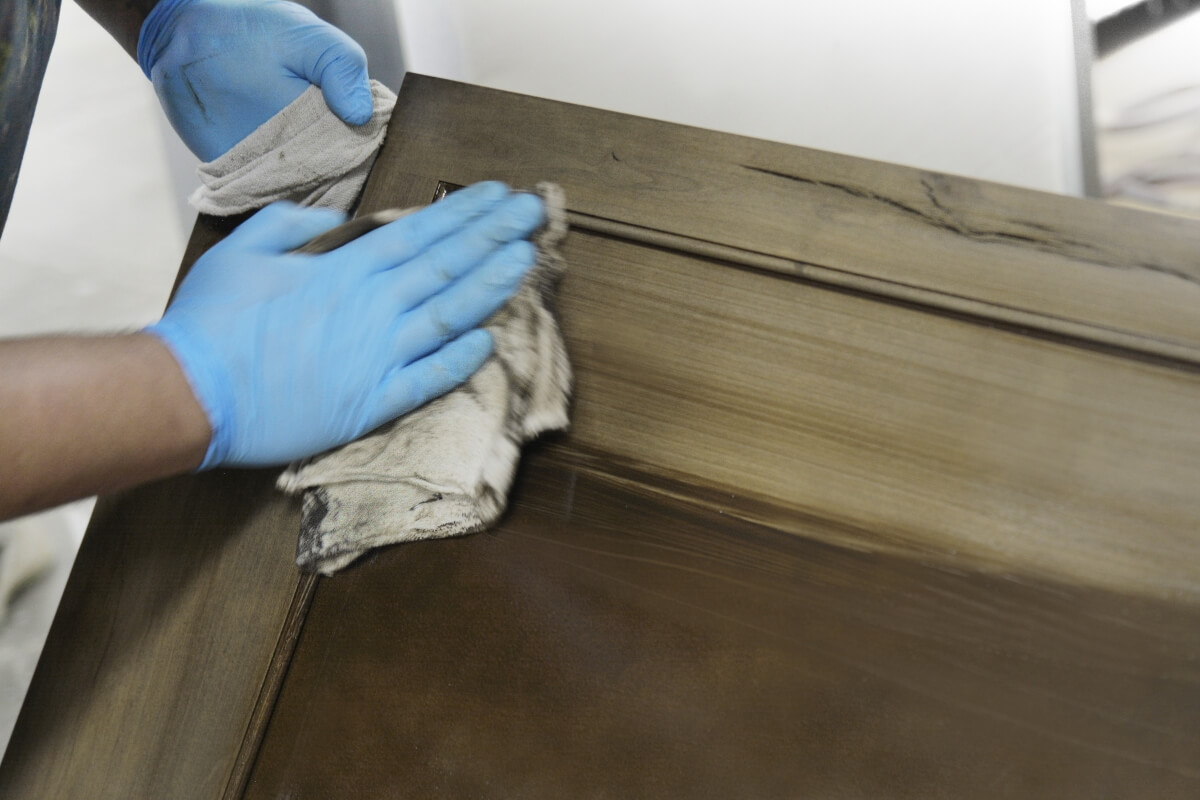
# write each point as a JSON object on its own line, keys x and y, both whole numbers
{"x": 205, "y": 387}
{"x": 88, "y": 415}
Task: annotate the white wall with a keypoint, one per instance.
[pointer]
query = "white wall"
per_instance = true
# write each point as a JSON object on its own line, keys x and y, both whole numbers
{"x": 92, "y": 242}
{"x": 984, "y": 88}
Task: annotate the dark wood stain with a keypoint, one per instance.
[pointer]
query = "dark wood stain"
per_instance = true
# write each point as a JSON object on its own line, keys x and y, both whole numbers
{"x": 607, "y": 641}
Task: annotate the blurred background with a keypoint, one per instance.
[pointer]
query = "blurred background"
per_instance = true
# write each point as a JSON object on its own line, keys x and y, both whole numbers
{"x": 1098, "y": 98}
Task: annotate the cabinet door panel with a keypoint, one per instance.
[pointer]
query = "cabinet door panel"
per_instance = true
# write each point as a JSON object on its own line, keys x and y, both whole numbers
{"x": 819, "y": 528}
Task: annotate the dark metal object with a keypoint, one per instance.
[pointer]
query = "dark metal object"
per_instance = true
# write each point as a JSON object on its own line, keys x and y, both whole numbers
{"x": 1136, "y": 22}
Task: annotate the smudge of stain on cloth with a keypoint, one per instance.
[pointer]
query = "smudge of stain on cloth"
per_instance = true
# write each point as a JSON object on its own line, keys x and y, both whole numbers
{"x": 305, "y": 154}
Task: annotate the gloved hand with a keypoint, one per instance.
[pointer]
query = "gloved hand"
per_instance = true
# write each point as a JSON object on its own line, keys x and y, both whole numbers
{"x": 221, "y": 68}
{"x": 290, "y": 355}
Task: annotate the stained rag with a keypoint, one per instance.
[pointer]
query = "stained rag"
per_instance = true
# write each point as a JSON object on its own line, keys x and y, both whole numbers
{"x": 444, "y": 469}
{"x": 305, "y": 153}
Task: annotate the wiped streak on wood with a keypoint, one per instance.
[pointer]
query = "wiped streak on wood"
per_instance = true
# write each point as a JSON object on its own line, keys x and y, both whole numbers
{"x": 909, "y": 430}
{"x": 913, "y": 424}
{"x": 1001, "y": 246}
{"x": 608, "y": 642}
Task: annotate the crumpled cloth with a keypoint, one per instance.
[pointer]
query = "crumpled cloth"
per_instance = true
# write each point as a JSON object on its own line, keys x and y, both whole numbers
{"x": 304, "y": 154}
{"x": 444, "y": 469}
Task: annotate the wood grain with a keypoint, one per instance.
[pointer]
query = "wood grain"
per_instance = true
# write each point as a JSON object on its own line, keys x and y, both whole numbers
{"x": 927, "y": 529}
{"x": 950, "y": 431}
{"x": 1024, "y": 319}
{"x": 909, "y": 430}
{"x": 1060, "y": 257}
{"x": 163, "y": 638}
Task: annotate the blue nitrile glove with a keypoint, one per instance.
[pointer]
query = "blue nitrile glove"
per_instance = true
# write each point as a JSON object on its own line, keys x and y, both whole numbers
{"x": 221, "y": 68}
{"x": 290, "y": 355}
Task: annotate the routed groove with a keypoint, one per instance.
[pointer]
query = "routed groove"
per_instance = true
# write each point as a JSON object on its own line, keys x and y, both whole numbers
{"x": 272, "y": 683}
{"x": 1134, "y": 345}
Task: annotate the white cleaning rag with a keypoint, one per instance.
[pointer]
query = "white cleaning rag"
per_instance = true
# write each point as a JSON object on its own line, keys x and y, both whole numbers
{"x": 304, "y": 154}
{"x": 444, "y": 469}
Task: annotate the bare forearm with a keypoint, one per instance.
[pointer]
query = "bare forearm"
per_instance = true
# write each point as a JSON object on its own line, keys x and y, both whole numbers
{"x": 88, "y": 415}
{"x": 121, "y": 18}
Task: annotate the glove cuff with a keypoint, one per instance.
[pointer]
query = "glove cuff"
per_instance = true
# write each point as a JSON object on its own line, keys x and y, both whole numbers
{"x": 156, "y": 32}
{"x": 207, "y": 384}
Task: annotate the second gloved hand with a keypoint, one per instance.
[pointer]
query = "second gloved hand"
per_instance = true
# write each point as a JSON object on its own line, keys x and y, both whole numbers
{"x": 221, "y": 68}
{"x": 291, "y": 355}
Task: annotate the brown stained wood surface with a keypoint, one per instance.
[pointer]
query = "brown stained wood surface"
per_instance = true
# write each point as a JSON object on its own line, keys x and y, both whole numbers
{"x": 806, "y": 538}
{"x": 935, "y": 235}
{"x": 970, "y": 437}
{"x": 607, "y": 642}
{"x": 164, "y": 636}
{"x": 911, "y": 430}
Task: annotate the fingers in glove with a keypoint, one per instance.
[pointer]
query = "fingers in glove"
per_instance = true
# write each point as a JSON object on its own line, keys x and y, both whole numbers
{"x": 282, "y": 227}
{"x": 340, "y": 69}
{"x": 406, "y": 238}
{"x": 465, "y": 304}
{"x": 457, "y": 255}
{"x": 432, "y": 376}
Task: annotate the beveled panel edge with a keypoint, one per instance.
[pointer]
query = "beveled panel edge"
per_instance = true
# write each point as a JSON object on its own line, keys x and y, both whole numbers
{"x": 264, "y": 705}
{"x": 1114, "y": 340}
{"x": 938, "y": 302}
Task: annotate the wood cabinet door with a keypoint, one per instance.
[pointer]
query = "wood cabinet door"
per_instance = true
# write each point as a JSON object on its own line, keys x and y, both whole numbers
{"x": 880, "y": 483}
